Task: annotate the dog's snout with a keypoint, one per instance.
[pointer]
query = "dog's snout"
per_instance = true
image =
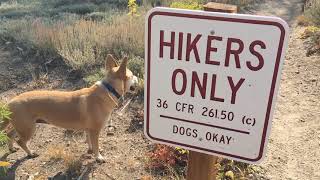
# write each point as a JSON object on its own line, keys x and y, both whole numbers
{"x": 133, "y": 83}
{"x": 135, "y": 80}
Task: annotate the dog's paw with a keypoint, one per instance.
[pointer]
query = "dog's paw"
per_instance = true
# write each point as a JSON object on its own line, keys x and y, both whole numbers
{"x": 33, "y": 155}
{"x": 100, "y": 159}
{"x": 111, "y": 130}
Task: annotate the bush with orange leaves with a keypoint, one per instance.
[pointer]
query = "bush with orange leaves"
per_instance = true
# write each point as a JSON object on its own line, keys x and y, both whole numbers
{"x": 168, "y": 159}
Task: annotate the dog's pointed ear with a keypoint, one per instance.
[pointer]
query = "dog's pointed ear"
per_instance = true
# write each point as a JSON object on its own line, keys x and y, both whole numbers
{"x": 110, "y": 62}
{"x": 122, "y": 71}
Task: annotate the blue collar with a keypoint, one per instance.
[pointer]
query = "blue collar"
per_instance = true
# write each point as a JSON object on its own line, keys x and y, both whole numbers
{"x": 108, "y": 87}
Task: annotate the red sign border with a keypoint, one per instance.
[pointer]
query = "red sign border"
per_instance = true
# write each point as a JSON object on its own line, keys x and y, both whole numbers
{"x": 273, "y": 84}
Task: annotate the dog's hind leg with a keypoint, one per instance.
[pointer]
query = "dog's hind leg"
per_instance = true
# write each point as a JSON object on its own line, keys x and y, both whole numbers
{"x": 10, "y": 135}
{"x": 23, "y": 144}
{"x": 12, "y": 149}
{"x": 25, "y": 133}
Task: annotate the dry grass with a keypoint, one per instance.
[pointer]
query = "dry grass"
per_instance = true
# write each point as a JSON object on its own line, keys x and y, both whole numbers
{"x": 302, "y": 20}
{"x": 71, "y": 163}
{"x": 313, "y": 13}
{"x": 56, "y": 153}
{"x": 85, "y": 43}
{"x": 40, "y": 177}
{"x": 82, "y": 43}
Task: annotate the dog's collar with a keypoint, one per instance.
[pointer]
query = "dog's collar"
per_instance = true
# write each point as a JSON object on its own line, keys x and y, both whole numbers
{"x": 109, "y": 88}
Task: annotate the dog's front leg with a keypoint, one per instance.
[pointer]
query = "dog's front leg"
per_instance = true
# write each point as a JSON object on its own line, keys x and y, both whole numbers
{"x": 90, "y": 151}
{"x": 11, "y": 135}
{"x": 94, "y": 139}
{"x": 12, "y": 149}
{"x": 111, "y": 127}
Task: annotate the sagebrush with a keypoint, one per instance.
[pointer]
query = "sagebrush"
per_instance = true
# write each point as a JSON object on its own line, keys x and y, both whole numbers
{"x": 81, "y": 34}
{"x": 4, "y": 116}
{"x": 312, "y": 31}
{"x": 313, "y": 12}
{"x": 82, "y": 43}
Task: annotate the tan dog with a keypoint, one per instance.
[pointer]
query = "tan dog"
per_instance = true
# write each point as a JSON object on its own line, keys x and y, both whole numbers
{"x": 86, "y": 109}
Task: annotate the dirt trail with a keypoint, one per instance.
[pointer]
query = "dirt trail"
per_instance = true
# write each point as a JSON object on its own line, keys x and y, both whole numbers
{"x": 13, "y": 71}
{"x": 288, "y": 10}
{"x": 293, "y": 149}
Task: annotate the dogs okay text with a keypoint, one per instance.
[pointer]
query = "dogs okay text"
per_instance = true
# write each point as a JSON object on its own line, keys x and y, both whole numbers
{"x": 182, "y": 45}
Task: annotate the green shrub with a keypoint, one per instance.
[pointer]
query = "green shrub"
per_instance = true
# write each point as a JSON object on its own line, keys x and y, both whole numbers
{"x": 78, "y": 8}
{"x": 58, "y": 3}
{"x": 136, "y": 65}
{"x": 186, "y": 5}
{"x": 122, "y": 4}
{"x": 4, "y": 116}
{"x": 315, "y": 44}
{"x": 229, "y": 169}
{"x": 50, "y": 8}
{"x": 313, "y": 13}
{"x": 4, "y": 113}
{"x": 15, "y": 10}
{"x": 94, "y": 77}
{"x": 3, "y": 139}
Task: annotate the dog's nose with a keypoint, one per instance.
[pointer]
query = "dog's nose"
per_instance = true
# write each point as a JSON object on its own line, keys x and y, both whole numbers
{"x": 132, "y": 88}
